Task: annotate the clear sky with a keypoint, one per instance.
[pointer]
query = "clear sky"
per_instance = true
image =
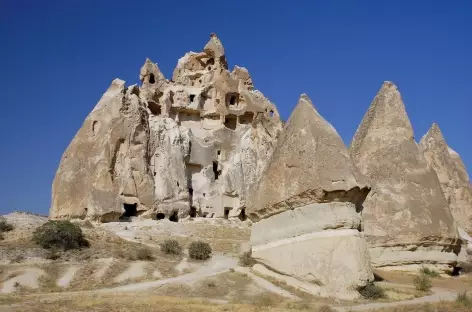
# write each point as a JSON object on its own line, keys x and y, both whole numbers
{"x": 58, "y": 57}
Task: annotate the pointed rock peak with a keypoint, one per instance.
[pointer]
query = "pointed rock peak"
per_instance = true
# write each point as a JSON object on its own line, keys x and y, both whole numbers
{"x": 214, "y": 47}
{"x": 433, "y": 133}
{"x": 305, "y": 100}
{"x": 150, "y": 73}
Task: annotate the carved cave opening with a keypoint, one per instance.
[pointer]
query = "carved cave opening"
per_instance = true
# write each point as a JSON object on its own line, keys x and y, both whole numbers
{"x": 230, "y": 122}
{"x": 216, "y": 172}
{"x": 193, "y": 212}
{"x": 242, "y": 215}
{"x": 227, "y": 209}
{"x": 174, "y": 217}
{"x": 191, "y": 98}
{"x": 131, "y": 210}
{"x": 247, "y": 118}
{"x": 154, "y": 108}
{"x": 151, "y": 78}
{"x": 160, "y": 216}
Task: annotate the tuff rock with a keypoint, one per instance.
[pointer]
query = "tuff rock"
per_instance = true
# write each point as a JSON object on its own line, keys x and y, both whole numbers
{"x": 193, "y": 145}
{"x": 407, "y": 221}
{"x": 307, "y": 208}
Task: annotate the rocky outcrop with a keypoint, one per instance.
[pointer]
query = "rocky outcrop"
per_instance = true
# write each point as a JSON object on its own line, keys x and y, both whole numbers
{"x": 451, "y": 174}
{"x": 306, "y": 208}
{"x": 407, "y": 220}
{"x": 193, "y": 145}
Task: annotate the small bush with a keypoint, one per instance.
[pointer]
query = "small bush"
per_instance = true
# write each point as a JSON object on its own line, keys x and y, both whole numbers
{"x": 429, "y": 272}
{"x": 144, "y": 254}
{"x": 171, "y": 247}
{"x": 422, "y": 283}
{"x": 464, "y": 299}
{"x": 199, "y": 250}
{"x": 372, "y": 291}
{"x": 53, "y": 253}
{"x": 60, "y": 234}
{"x": 5, "y": 226}
{"x": 246, "y": 259}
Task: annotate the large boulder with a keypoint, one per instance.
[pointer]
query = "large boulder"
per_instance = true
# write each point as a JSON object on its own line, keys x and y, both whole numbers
{"x": 195, "y": 145}
{"x": 307, "y": 208}
{"x": 407, "y": 220}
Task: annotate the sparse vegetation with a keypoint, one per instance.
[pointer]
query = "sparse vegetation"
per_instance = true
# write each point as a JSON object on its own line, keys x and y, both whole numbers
{"x": 144, "y": 253}
{"x": 5, "y": 226}
{"x": 171, "y": 247}
{"x": 265, "y": 300}
{"x": 246, "y": 259}
{"x": 464, "y": 299}
{"x": 422, "y": 283}
{"x": 429, "y": 272}
{"x": 60, "y": 234}
{"x": 199, "y": 250}
{"x": 372, "y": 291}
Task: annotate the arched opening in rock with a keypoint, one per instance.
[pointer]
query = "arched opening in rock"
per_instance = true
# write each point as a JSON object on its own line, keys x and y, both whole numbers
{"x": 232, "y": 99}
{"x": 191, "y": 98}
{"x": 154, "y": 108}
{"x": 227, "y": 209}
{"x": 230, "y": 122}
{"x": 210, "y": 62}
{"x": 151, "y": 78}
{"x": 174, "y": 217}
{"x": 271, "y": 113}
{"x": 190, "y": 191}
{"x": 456, "y": 271}
{"x": 160, "y": 216}
{"x": 193, "y": 212}
{"x": 246, "y": 118}
{"x": 216, "y": 172}
{"x": 130, "y": 211}
{"x": 242, "y": 215}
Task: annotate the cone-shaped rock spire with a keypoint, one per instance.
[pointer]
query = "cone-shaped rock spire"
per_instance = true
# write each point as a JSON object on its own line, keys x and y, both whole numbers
{"x": 310, "y": 164}
{"x": 406, "y": 205}
{"x": 457, "y": 190}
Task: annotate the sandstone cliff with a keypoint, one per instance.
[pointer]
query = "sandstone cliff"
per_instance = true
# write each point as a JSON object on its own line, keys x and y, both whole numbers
{"x": 193, "y": 145}
{"x": 307, "y": 208}
{"x": 407, "y": 220}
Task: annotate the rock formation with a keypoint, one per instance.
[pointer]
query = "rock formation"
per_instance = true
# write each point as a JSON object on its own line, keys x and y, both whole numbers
{"x": 452, "y": 176}
{"x": 306, "y": 208}
{"x": 194, "y": 145}
{"x": 407, "y": 220}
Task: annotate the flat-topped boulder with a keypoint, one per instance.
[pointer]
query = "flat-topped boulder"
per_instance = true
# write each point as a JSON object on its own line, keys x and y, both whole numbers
{"x": 307, "y": 208}
{"x": 407, "y": 220}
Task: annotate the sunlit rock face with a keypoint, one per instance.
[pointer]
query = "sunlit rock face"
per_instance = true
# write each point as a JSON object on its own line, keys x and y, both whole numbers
{"x": 306, "y": 208}
{"x": 194, "y": 145}
{"x": 407, "y": 220}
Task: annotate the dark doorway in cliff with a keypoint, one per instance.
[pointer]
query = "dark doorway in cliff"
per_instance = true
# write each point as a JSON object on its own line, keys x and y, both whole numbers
{"x": 456, "y": 271}
{"x": 193, "y": 212}
{"x": 130, "y": 211}
{"x": 242, "y": 215}
{"x": 154, "y": 108}
{"x": 191, "y": 98}
{"x": 160, "y": 216}
{"x": 151, "y": 78}
{"x": 227, "y": 209}
{"x": 216, "y": 172}
{"x": 230, "y": 122}
{"x": 174, "y": 217}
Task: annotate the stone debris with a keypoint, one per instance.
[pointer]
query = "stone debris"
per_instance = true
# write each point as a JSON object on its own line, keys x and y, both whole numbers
{"x": 191, "y": 146}
{"x": 406, "y": 217}
{"x": 307, "y": 208}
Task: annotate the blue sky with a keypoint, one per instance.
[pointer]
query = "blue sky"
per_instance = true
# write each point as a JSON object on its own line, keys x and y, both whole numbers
{"x": 58, "y": 57}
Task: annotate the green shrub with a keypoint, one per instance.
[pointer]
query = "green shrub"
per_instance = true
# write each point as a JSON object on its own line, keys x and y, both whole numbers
{"x": 144, "y": 254}
{"x": 464, "y": 299}
{"x": 246, "y": 259}
{"x": 429, "y": 272}
{"x": 5, "y": 226}
{"x": 199, "y": 250}
{"x": 171, "y": 247}
{"x": 372, "y": 291}
{"x": 61, "y": 235}
{"x": 422, "y": 283}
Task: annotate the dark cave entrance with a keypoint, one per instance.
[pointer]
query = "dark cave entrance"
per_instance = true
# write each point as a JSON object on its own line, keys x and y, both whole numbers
{"x": 242, "y": 215}
{"x": 227, "y": 209}
{"x": 131, "y": 210}
{"x": 160, "y": 216}
{"x": 174, "y": 217}
{"x": 193, "y": 212}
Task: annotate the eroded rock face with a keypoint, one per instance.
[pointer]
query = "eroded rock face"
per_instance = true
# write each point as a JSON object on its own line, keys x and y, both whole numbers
{"x": 451, "y": 175}
{"x": 307, "y": 205}
{"x": 407, "y": 220}
{"x": 193, "y": 145}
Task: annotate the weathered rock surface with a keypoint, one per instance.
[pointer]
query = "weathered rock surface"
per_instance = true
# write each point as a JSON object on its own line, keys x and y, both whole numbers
{"x": 451, "y": 174}
{"x": 406, "y": 217}
{"x": 194, "y": 145}
{"x": 307, "y": 208}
